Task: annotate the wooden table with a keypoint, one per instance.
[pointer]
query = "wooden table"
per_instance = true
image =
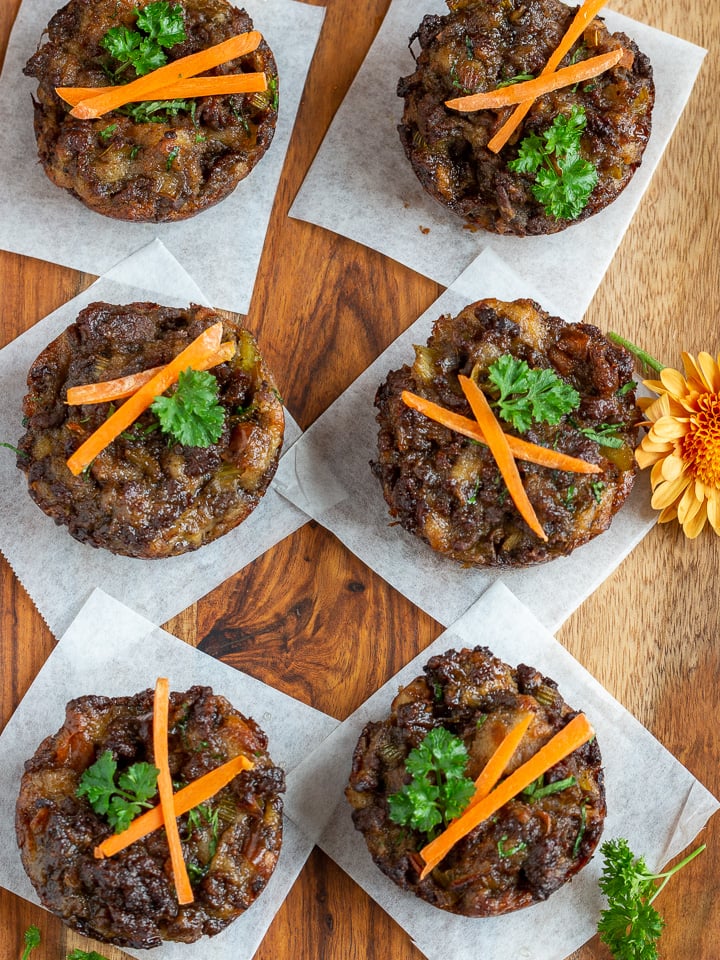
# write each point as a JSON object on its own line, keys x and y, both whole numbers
{"x": 305, "y": 615}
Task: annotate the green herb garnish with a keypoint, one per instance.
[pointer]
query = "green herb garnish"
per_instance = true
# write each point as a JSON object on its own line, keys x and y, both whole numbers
{"x": 120, "y": 802}
{"x": 605, "y": 434}
{"x": 564, "y": 180}
{"x": 598, "y": 488}
{"x": 191, "y": 414}
{"x": 518, "y": 78}
{"x": 79, "y": 954}
{"x": 539, "y": 789}
{"x": 439, "y": 790}
{"x": 107, "y": 132}
{"x": 528, "y": 396}
{"x": 32, "y": 940}
{"x": 17, "y": 450}
{"x": 158, "y": 26}
{"x": 156, "y": 111}
{"x": 503, "y": 852}
{"x": 171, "y": 157}
{"x": 630, "y": 926}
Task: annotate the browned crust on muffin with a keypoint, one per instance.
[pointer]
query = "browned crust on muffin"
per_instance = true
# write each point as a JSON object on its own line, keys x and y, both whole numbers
{"x": 530, "y": 848}
{"x": 145, "y": 495}
{"x": 447, "y": 489}
{"x": 482, "y": 43}
{"x": 129, "y": 899}
{"x": 148, "y": 171}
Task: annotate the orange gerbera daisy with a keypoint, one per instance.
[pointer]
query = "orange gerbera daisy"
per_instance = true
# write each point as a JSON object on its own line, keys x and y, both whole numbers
{"x": 683, "y": 443}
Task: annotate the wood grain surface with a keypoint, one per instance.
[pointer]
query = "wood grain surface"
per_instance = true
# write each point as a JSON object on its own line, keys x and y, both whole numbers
{"x": 311, "y": 619}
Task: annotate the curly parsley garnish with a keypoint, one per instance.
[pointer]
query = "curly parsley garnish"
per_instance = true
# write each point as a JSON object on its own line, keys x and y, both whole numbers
{"x": 439, "y": 790}
{"x": 158, "y": 27}
{"x": 631, "y": 926}
{"x": 32, "y": 940}
{"x": 564, "y": 180}
{"x": 192, "y": 414}
{"x": 119, "y": 801}
{"x": 528, "y": 396}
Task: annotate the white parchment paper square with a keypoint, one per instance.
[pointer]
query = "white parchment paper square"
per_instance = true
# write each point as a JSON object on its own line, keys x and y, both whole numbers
{"x": 327, "y": 475}
{"x": 223, "y": 243}
{"x": 57, "y": 571}
{"x": 110, "y": 650}
{"x": 361, "y": 185}
{"x": 657, "y": 824}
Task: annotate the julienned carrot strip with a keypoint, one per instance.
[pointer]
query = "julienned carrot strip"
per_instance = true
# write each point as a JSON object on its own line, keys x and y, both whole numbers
{"x": 500, "y": 449}
{"x": 495, "y": 767}
{"x": 195, "y": 793}
{"x": 124, "y": 387}
{"x": 545, "y": 83}
{"x": 585, "y": 15}
{"x": 521, "y": 449}
{"x": 161, "y": 705}
{"x": 577, "y": 732}
{"x": 181, "y": 69}
{"x": 192, "y": 87}
{"x": 203, "y": 346}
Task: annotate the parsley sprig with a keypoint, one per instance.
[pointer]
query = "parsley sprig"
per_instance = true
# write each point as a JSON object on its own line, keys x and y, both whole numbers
{"x": 158, "y": 27}
{"x": 192, "y": 413}
{"x": 528, "y": 395}
{"x": 564, "y": 180}
{"x": 631, "y": 926}
{"x": 32, "y": 940}
{"x": 78, "y": 954}
{"x": 439, "y": 790}
{"x": 119, "y": 801}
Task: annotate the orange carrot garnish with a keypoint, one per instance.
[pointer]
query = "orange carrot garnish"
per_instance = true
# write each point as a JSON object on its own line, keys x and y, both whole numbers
{"x": 195, "y": 793}
{"x": 577, "y": 732}
{"x": 585, "y": 15}
{"x": 545, "y": 83}
{"x": 195, "y": 353}
{"x": 521, "y": 449}
{"x": 161, "y": 705}
{"x": 495, "y": 767}
{"x": 190, "y": 66}
{"x": 500, "y": 449}
{"x": 182, "y": 89}
{"x": 126, "y": 386}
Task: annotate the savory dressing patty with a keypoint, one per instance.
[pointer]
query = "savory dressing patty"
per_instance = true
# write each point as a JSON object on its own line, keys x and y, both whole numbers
{"x": 146, "y": 495}
{"x": 146, "y": 162}
{"x": 231, "y": 842}
{"x": 533, "y": 844}
{"x": 483, "y": 44}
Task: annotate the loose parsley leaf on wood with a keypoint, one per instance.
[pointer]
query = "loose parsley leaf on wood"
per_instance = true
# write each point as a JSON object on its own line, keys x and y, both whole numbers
{"x": 439, "y": 790}
{"x": 528, "y": 396}
{"x": 120, "y": 802}
{"x": 32, "y": 940}
{"x": 79, "y": 954}
{"x": 191, "y": 413}
{"x": 630, "y": 926}
{"x": 564, "y": 180}
{"x": 159, "y": 25}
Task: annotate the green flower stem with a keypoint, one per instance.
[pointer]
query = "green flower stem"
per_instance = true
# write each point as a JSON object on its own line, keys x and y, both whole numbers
{"x": 641, "y": 355}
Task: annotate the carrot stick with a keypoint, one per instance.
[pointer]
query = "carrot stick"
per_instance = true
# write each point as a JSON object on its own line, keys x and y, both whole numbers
{"x": 584, "y": 16}
{"x": 577, "y": 732}
{"x": 190, "y": 796}
{"x": 189, "y": 66}
{"x": 161, "y": 705}
{"x": 206, "y": 344}
{"x": 495, "y": 767}
{"x": 545, "y": 83}
{"x": 500, "y": 449}
{"x": 126, "y": 386}
{"x": 192, "y": 87}
{"x": 521, "y": 449}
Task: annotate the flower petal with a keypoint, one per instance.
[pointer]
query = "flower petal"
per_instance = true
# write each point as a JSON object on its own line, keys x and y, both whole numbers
{"x": 673, "y": 381}
{"x": 710, "y": 370}
{"x": 672, "y": 467}
{"x": 713, "y": 511}
{"x": 669, "y": 491}
{"x": 689, "y": 505}
{"x": 669, "y": 428}
{"x": 668, "y": 514}
{"x": 693, "y": 526}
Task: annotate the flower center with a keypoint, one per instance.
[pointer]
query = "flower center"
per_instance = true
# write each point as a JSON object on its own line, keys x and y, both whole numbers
{"x": 701, "y": 447}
